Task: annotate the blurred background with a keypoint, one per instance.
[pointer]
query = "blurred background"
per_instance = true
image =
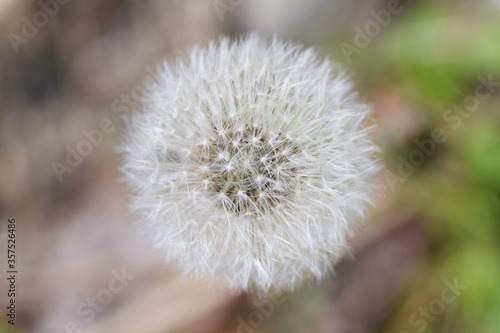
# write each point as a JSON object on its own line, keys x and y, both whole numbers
{"x": 428, "y": 259}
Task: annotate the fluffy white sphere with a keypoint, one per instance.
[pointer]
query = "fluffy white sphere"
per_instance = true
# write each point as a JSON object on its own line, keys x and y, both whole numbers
{"x": 249, "y": 162}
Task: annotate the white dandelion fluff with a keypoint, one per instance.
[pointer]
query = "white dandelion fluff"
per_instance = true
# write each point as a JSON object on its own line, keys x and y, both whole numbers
{"x": 249, "y": 162}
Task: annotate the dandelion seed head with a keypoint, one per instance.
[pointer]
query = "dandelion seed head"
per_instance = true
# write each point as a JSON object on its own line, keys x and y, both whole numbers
{"x": 249, "y": 161}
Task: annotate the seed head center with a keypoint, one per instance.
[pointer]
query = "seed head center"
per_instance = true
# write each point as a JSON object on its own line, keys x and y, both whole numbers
{"x": 246, "y": 170}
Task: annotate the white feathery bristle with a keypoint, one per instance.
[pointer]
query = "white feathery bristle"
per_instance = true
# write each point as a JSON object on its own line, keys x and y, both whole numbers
{"x": 249, "y": 162}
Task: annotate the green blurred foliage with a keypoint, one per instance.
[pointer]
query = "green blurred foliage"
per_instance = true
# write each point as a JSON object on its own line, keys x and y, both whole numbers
{"x": 432, "y": 56}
